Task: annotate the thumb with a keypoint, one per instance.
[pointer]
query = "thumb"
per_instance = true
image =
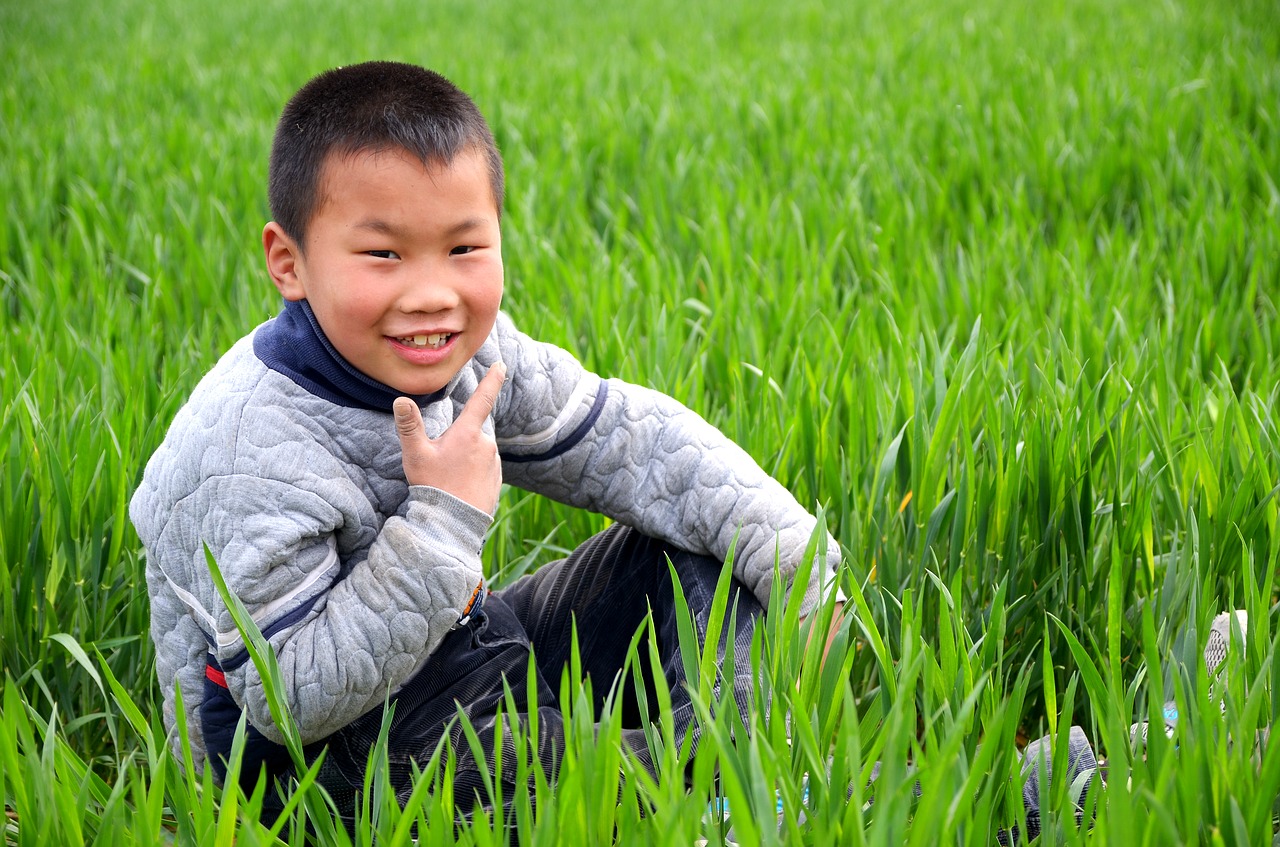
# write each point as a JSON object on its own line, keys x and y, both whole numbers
{"x": 408, "y": 419}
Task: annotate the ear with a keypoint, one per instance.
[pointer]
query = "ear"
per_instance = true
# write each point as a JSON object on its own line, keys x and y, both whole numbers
{"x": 284, "y": 261}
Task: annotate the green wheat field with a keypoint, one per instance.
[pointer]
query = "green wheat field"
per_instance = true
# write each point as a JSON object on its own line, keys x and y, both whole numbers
{"x": 993, "y": 285}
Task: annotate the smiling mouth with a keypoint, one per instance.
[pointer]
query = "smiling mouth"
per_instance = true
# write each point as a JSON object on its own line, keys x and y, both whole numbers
{"x": 434, "y": 341}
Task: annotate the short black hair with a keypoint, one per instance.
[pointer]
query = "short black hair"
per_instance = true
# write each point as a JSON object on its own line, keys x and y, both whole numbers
{"x": 374, "y": 106}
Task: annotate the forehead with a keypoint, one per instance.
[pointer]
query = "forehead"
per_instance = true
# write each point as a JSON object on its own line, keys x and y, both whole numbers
{"x": 396, "y": 180}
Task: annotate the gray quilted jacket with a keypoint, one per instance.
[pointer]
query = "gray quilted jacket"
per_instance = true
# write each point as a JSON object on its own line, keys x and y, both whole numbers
{"x": 354, "y": 576}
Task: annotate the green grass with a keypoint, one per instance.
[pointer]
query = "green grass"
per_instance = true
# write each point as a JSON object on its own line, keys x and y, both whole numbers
{"x": 994, "y": 284}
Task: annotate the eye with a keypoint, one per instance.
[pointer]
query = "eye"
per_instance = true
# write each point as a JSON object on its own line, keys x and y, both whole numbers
{"x": 383, "y": 254}
{"x": 461, "y": 250}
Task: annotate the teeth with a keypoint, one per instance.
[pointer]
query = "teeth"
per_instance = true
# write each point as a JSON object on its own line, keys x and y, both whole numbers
{"x": 436, "y": 339}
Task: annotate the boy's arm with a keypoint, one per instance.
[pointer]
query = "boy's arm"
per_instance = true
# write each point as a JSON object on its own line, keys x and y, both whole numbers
{"x": 646, "y": 460}
{"x": 345, "y": 631}
{"x": 382, "y": 622}
{"x": 344, "y": 642}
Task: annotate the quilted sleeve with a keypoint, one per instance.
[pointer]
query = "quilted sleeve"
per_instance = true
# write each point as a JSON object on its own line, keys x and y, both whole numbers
{"x": 345, "y": 634}
{"x": 375, "y": 628}
{"x": 645, "y": 460}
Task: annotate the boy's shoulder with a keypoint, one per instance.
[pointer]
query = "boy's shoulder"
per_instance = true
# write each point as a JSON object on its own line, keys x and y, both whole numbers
{"x": 239, "y": 398}
{"x": 241, "y": 420}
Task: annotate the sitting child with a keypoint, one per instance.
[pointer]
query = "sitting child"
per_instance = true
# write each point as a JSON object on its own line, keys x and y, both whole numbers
{"x": 343, "y": 461}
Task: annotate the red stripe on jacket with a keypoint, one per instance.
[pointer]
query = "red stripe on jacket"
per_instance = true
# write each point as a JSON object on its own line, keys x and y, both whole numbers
{"x": 215, "y": 676}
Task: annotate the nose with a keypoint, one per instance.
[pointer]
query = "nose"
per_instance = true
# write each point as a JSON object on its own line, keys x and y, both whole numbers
{"x": 429, "y": 291}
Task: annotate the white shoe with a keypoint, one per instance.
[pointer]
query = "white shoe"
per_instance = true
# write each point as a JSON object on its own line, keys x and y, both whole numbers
{"x": 1215, "y": 652}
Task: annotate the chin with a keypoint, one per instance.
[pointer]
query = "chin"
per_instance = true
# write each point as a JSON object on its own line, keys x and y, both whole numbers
{"x": 422, "y": 387}
{"x": 419, "y": 382}
{"x": 421, "y": 390}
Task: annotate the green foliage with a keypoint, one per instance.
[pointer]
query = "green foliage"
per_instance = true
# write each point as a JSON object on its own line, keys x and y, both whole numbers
{"x": 993, "y": 285}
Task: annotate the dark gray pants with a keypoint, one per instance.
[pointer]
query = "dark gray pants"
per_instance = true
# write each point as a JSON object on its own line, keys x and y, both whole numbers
{"x": 606, "y": 588}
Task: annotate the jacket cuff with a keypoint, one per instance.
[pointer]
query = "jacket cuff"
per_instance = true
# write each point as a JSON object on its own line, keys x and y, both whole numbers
{"x": 825, "y": 583}
{"x": 453, "y": 524}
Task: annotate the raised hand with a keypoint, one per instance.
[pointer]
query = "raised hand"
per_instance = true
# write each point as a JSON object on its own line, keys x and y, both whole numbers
{"x": 463, "y": 461}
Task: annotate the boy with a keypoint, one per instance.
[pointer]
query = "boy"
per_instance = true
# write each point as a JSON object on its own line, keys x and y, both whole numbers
{"x": 343, "y": 463}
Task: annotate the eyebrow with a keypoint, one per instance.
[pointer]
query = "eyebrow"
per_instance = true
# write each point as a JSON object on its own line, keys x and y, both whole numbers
{"x": 383, "y": 227}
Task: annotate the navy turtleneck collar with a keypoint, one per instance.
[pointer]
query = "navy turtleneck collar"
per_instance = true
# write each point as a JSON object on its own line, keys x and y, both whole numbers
{"x": 294, "y": 344}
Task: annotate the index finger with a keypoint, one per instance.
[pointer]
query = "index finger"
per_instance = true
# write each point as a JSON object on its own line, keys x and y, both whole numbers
{"x": 482, "y": 402}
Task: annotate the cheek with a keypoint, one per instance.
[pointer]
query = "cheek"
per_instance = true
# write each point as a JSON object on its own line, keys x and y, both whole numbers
{"x": 353, "y": 318}
{"x": 487, "y": 295}
{"x": 495, "y": 297}
{"x": 359, "y": 305}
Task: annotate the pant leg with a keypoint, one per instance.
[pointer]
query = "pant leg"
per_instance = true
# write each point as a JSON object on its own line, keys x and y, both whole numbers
{"x": 606, "y": 587}
{"x": 465, "y": 675}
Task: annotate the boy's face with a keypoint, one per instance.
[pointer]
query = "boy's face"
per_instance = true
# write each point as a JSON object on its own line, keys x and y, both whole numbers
{"x": 403, "y": 264}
